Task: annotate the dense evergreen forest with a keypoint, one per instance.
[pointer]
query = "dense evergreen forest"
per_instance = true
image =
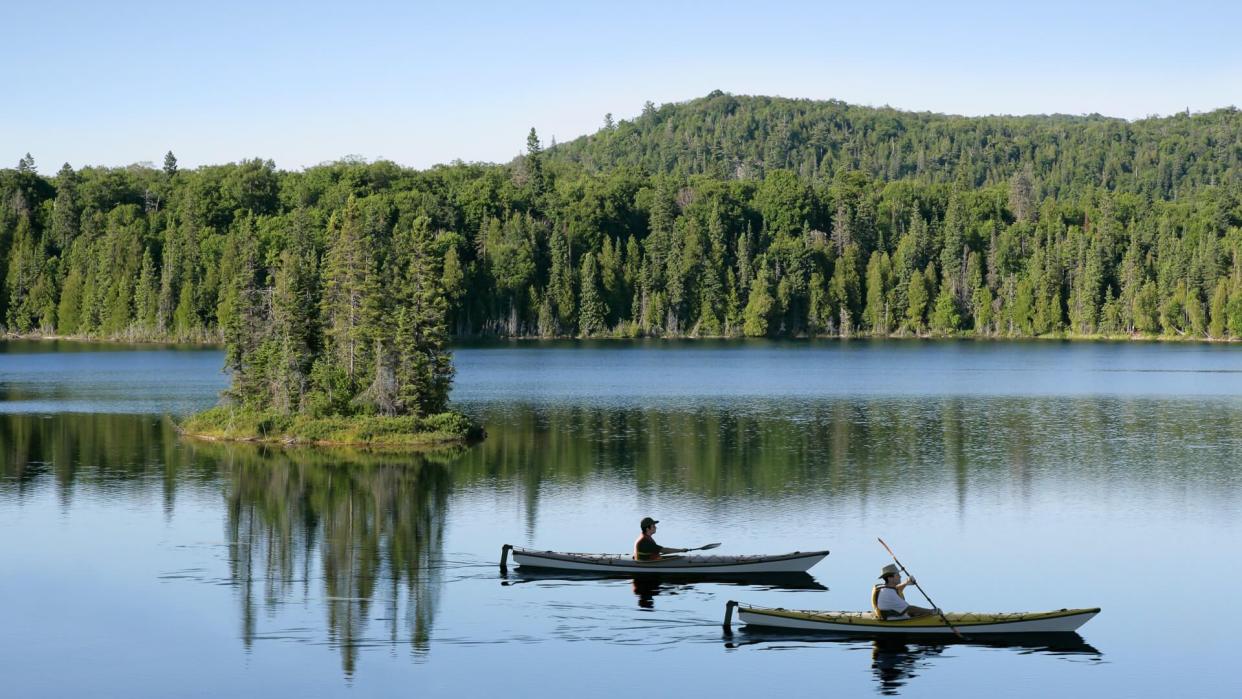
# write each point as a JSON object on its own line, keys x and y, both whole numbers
{"x": 722, "y": 216}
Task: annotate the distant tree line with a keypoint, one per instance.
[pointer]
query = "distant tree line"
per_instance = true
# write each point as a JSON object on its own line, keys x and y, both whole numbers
{"x": 725, "y": 216}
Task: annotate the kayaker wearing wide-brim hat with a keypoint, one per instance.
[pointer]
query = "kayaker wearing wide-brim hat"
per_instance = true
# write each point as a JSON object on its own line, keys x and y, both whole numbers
{"x": 889, "y": 600}
{"x": 645, "y": 548}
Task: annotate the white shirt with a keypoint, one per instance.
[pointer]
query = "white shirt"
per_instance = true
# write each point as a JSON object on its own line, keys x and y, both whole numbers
{"x": 890, "y": 601}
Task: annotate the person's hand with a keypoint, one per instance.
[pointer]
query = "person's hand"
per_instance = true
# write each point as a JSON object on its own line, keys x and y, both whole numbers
{"x": 911, "y": 582}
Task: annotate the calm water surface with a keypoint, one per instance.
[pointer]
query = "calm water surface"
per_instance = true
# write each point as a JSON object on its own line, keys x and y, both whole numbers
{"x": 1007, "y": 476}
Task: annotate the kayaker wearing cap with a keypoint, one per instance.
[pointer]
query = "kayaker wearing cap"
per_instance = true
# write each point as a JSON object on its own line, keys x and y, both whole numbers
{"x": 889, "y": 600}
{"x": 645, "y": 548}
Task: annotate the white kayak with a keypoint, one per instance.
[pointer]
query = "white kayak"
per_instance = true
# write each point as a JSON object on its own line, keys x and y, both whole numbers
{"x": 1059, "y": 621}
{"x": 796, "y": 562}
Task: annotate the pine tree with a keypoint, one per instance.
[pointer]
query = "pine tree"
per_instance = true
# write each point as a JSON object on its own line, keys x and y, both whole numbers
{"x": 1233, "y": 310}
{"x": 1196, "y": 316}
{"x": 846, "y": 283}
{"x": 877, "y": 315}
{"x": 1219, "y": 324}
{"x": 345, "y": 268}
{"x": 610, "y": 273}
{"x": 712, "y": 291}
{"x": 561, "y": 283}
{"x": 951, "y": 255}
{"x": 819, "y": 314}
{"x": 756, "y": 318}
{"x": 295, "y": 318}
{"x": 122, "y": 258}
{"x": 424, "y": 367}
{"x": 66, "y": 214}
{"x": 146, "y": 296}
{"x": 917, "y": 302}
{"x": 591, "y": 317}
{"x": 1146, "y": 307}
{"x": 454, "y": 284}
{"x": 24, "y": 264}
{"x": 243, "y": 318}
{"x": 945, "y": 316}
{"x": 981, "y": 303}
{"x": 534, "y": 164}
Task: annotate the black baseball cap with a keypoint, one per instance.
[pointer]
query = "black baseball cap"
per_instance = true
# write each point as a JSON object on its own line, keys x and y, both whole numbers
{"x": 647, "y": 522}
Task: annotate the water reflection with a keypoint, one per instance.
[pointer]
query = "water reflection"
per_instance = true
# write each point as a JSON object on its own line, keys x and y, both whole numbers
{"x": 121, "y": 455}
{"x": 858, "y": 450}
{"x": 345, "y": 550}
{"x": 361, "y": 532}
{"x": 369, "y": 526}
{"x": 897, "y": 660}
{"x": 647, "y": 587}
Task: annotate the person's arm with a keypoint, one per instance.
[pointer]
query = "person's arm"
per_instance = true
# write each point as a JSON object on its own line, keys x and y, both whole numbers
{"x": 670, "y": 549}
{"x": 902, "y": 586}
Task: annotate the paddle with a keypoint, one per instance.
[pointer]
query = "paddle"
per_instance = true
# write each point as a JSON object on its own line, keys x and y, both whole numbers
{"x": 943, "y": 618}
{"x": 705, "y": 547}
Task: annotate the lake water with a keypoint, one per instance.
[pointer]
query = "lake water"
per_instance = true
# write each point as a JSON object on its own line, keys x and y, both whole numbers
{"x": 1007, "y": 476}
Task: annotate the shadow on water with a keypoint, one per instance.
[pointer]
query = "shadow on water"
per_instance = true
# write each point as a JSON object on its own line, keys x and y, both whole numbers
{"x": 896, "y": 660}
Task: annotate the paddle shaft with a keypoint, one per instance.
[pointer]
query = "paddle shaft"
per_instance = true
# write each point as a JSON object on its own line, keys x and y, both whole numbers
{"x": 943, "y": 618}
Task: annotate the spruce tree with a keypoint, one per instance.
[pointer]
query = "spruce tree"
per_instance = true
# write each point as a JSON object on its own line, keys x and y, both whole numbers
{"x": 346, "y": 264}
{"x": 66, "y": 213}
{"x": 146, "y": 296}
{"x": 945, "y": 316}
{"x": 916, "y": 302}
{"x": 877, "y": 315}
{"x": 591, "y": 317}
{"x": 757, "y": 316}
{"x": 1219, "y": 324}
{"x": 295, "y": 317}
{"x": 561, "y": 283}
{"x": 424, "y": 367}
{"x": 24, "y": 263}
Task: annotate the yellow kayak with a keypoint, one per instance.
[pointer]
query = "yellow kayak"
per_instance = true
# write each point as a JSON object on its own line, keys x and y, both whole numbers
{"x": 1058, "y": 621}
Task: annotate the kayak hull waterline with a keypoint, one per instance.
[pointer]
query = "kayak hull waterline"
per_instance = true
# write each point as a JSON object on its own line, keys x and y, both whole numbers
{"x": 1059, "y": 621}
{"x": 796, "y": 562}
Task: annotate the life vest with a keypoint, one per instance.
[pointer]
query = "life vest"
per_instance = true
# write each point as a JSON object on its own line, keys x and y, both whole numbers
{"x": 640, "y": 555}
{"x": 875, "y": 602}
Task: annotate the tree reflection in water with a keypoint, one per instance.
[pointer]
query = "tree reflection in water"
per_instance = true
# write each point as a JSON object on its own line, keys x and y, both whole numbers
{"x": 370, "y": 526}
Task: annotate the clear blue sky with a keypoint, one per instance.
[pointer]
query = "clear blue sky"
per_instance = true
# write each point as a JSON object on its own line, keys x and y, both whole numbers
{"x": 112, "y": 83}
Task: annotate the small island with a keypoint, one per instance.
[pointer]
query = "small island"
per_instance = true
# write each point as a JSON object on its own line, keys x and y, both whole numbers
{"x": 336, "y": 335}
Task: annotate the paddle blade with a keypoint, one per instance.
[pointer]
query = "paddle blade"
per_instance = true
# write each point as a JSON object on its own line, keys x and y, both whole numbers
{"x": 710, "y": 546}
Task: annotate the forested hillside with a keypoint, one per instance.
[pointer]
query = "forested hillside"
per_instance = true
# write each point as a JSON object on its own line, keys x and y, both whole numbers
{"x": 721, "y": 216}
{"x": 748, "y": 137}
